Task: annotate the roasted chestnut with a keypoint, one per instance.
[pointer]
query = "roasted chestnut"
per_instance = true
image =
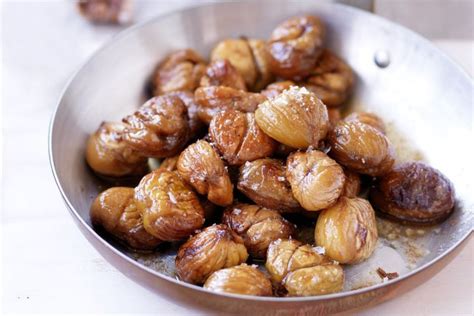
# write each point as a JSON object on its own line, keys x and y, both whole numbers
{"x": 180, "y": 71}
{"x": 215, "y": 248}
{"x": 414, "y": 193}
{"x": 295, "y": 45}
{"x": 367, "y": 118}
{"x": 171, "y": 210}
{"x": 212, "y": 100}
{"x": 316, "y": 180}
{"x": 220, "y": 72}
{"x": 317, "y": 280}
{"x": 347, "y": 230}
{"x": 274, "y": 89}
{"x": 195, "y": 123}
{"x": 106, "y": 11}
{"x": 258, "y": 226}
{"x": 160, "y": 128}
{"x": 242, "y": 279}
{"x": 296, "y": 118}
{"x": 265, "y": 183}
{"x": 116, "y": 211}
{"x": 361, "y": 148}
{"x": 238, "y": 137}
{"x": 261, "y": 59}
{"x": 331, "y": 80}
{"x": 351, "y": 184}
{"x": 107, "y": 153}
{"x": 200, "y": 165}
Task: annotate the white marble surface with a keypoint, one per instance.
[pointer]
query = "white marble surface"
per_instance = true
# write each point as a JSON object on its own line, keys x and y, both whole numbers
{"x": 47, "y": 266}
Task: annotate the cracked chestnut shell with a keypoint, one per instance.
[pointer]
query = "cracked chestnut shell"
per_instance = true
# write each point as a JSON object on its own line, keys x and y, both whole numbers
{"x": 258, "y": 226}
{"x": 296, "y": 118}
{"x": 180, "y": 71}
{"x": 116, "y": 211}
{"x": 200, "y": 165}
{"x": 264, "y": 182}
{"x": 414, "y": 193}
{"x": 361, "y": 148}
{"x": 367, "y": 118}
{"x": 316, "y": 180}
{"x": 242, "y": 279}
{"x": 295, "y": 45}
{"x": 238, "y": 137}
{"x": 109, "y": 155}
{"x": 220, "y": 72}
{"x": 347, "y": 230}
{"x": 160, "y": 127}
{"x": 171, "y": 210}
{"x": 215, "y": 248}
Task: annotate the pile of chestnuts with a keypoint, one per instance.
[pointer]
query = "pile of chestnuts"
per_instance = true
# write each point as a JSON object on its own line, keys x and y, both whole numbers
{"x": 247, "y": 143}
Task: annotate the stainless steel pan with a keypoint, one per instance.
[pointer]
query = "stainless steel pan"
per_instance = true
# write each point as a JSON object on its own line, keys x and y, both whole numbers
{"x": 426, "y": 99}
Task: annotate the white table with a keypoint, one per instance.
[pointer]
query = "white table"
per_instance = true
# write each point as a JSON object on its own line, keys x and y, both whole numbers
{"x": 47, "y": 266}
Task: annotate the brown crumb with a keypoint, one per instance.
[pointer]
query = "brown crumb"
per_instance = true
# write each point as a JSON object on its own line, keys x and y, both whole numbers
{"x": 389, "y": 275}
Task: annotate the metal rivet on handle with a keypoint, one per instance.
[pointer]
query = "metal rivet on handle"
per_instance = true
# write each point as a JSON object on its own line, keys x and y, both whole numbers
{"x": 382, "y": 58}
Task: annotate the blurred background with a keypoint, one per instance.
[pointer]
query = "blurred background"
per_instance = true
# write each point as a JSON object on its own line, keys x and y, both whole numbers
{"x": 42, "y": 44}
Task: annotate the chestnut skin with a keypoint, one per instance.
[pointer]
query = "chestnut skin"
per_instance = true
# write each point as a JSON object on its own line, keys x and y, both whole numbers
{"x": 180, "y": 71}
{"x": 414, "y": 193}
{"x": 316, "y": 180}
{"x": 200, "y": 165}
{"x": 296, "y": 118}
{"x": 347, "y": 230}
{"x": 212, "y": 100}
{"x": 171, "y": 210}
{"x": 264, "y": 182}
{"x": 116, "y": 211}
{"x": 214, "y": 248}
{"x": 258, "y": 226}
{"x": 220, "y": 72}
{"x": 160, "y": 127}
{"x": 274, "y": 89}
{"x": 242, "y": 279}
{"x": 361, "y": 148}
{"x": 238, "y": 137}
{"x": 295, "y": 45}
{"x": 367, "y": 118}
{"x": 109, "y": 155}
{"x": 331, "y": 80}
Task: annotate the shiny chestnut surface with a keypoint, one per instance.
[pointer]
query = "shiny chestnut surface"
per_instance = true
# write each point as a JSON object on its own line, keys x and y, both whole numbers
{"x": 220, "y": 72}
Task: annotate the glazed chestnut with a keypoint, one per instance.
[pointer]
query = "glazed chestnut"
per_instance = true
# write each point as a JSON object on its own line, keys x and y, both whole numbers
{"x": 264, "y": 182}
{"x": 215, "y": 248}
{"x": 168, "y": 164}
{"x": 107, "y": 153}
{"x": 160, "y": 128}
{"x": 414, "y": 193}
{"x": 238, "y": 137}
{"x": 361, "y": 148}
{"x": 274, "y": 89}
{"x": 351, "y": 184}
{"x": 295, "y": 46}
{"x": 116, "y": 211}
{"x": 296, "y": 118}
{"x": 367, "y": 118}
{"x": 261, "y": 59}
{"x": 302, "y": 270}
{"x": 347, "y": 230}
{"x": 200, "y": 165}
{"x": 171, "y": 210}
{"x": 316, "y": 180}
{"x": 180, "y": 71}
{"x": 195, "y": 124}
{"x": 220, "y": 72}
{"x": 242, "y": 279}
{"x": 106, "y": 11}
{"x": 258, "y": 226}
{"x": 331, "y": 80}
{"x": 212, "y": 100}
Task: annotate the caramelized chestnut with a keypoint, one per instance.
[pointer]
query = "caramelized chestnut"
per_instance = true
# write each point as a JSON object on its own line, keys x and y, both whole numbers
{"x": 261, "y": 59}
{"x": 108, "y": 154}
{"x": 279, "y": 254}
{"x": 258, "y": 226}
{"x": 274, "y": 89}
{"x": 220, "y": 72}
{"x": 367, "y": 118}
{"x": 180, "y": 71}
{"x": 116, "y": 211}
{"x": 295, "y": 45}
{"x": 200, "y": 165}
{"x": 351, "y": 184}
{"x": 361, "y": 148}
{"x": 264, "y": 182}
{"x": 414, "y": 193}
{"x": 238, "y": 137}
{"x": 106, "y": 11}
{"x": 171, "y": 210}
{"x": 215, "y": 248}
{"x": 347, "y": 230}
{"x": 212, "y": 100}
{"x": 317, "y": 280}
{"x": 296, "y": 118}
{"x": 331, "y": 80}
{"x": 160, "y": 128}
{"x": 316, "y": 180}
{"x": 195, "y": 123}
